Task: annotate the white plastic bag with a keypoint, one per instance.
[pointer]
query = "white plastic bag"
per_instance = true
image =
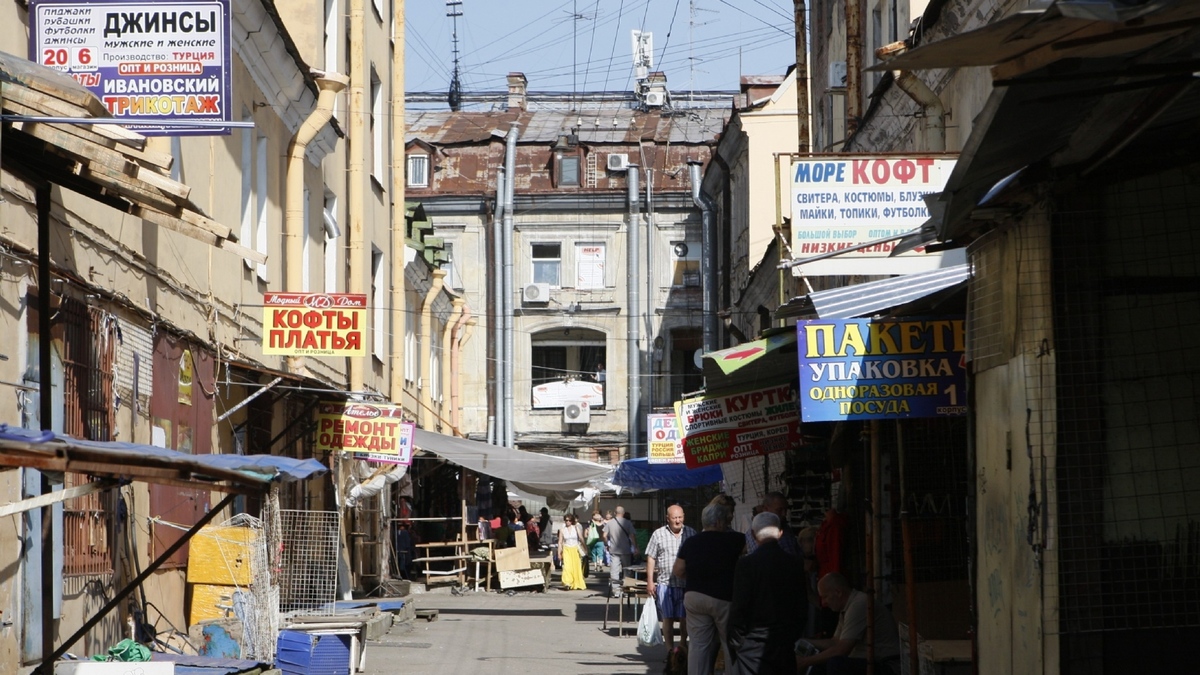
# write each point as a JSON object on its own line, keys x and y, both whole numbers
{"x": 649, "y": 632}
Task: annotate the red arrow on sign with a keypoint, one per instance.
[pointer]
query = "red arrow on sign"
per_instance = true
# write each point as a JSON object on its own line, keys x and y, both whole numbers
{"x": 744, "y": 354}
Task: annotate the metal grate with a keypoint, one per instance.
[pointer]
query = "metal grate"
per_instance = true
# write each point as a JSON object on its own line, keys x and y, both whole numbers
{"x": 308, "y": 561}
{"x": 1127, "y": 293}
{"x": 985, "y": 304}
{"x": 88, "y": 341}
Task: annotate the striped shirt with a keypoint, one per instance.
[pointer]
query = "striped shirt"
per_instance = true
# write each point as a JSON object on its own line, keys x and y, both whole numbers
{"x": 664, "y": 547}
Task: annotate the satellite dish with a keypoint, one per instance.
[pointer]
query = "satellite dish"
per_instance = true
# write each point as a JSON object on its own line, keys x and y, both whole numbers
{"x": 698, "y": 359}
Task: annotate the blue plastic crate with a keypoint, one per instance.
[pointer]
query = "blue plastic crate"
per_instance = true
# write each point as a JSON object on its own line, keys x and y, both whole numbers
{"x": 300, "y": 653}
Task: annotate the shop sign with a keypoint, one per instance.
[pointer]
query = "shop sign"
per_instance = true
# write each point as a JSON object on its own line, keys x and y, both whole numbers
{"x": 314, "y": 324}
{"x": 719, "y": 429}
{"x": 150, "y": 61}
{"x": 376, "y": 429}
{"x": 662, "y": 438}
{"x": 839, "y": 202}
{"x": 863, "y": 369}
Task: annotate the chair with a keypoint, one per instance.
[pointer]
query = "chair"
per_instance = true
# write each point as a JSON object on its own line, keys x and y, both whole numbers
{"x": 632, "y": 590}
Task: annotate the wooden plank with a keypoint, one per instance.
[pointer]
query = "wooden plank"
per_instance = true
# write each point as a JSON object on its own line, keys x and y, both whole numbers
{"x": 164, "y": 184}
{"x": 51, "y": 83}
{"x": 519, "y": 578}
{"x": 42, "y": 104}
{"x": 204, "y": 222}
{"x": 54, "y": 497}
{"x": 138, "y": 193}
{"x": 79, "y": 148}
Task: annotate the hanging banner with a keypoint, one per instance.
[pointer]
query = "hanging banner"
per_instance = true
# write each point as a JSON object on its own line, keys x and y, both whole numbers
{"x": 152, "y": 61}
{"x": 662, "y": 438}
{"x": 840, "y": 201}
{"x": 377, "y": 429}
{"x": 863, "y": 369}
{"x": 719, "y": 429}
{"x": 314, "y": 324}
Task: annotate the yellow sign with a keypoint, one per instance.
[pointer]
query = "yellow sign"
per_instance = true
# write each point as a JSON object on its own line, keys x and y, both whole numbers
{"x": 314, "y": 324}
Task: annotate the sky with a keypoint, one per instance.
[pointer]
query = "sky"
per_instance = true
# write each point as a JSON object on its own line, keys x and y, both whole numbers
{"x": 585, "y": 45}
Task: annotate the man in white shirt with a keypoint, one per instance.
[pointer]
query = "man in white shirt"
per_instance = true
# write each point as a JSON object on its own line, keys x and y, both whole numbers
{"x": 664, "y": 587}
{"x": 846, "y": 652}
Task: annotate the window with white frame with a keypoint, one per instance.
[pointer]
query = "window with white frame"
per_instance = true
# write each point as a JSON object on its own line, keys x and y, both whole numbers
{"x": 453, "y": 273}
{"x": 410, "y": 338}
{"x": 333, "y": 40}
{"x": 547, "y": 264}
{"x": 589, "y": 266}
{"x": 309, "y": 235}
{"x": 376, "y": 127}
{"x": 435, "y": 366}
{"x": 247, "y": 234}
{"x": 262, "y": 201}
{"x": 378, "y": 329}
{"x": 333, "y": 233}
{"x": 568, "y": 169}
{"x": 418, "y": 170}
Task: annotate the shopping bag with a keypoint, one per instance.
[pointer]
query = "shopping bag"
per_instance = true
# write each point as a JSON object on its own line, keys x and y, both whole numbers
{"x": 593, "y": 535}
{"x": 649, "y": 632}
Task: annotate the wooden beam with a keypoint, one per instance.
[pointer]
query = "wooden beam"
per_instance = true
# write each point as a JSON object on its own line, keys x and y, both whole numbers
{"x": 46, "y": 105}
{"x": 55, "y": 497}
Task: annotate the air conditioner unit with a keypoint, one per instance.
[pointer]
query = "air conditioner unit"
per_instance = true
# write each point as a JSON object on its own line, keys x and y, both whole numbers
{"x": 577, "y": 413}
{"x": 618, "y": 161}
{"x": 656, "y": 99}
{"x": 536, "y": 293}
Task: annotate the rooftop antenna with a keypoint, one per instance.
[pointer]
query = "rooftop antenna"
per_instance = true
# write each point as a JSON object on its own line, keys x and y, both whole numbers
{"x": 643, "y": 57}
{"x": 454, "y": 10}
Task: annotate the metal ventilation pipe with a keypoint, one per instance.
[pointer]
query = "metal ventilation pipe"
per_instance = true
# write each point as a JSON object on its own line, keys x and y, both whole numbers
{"x": 495, "y": 317}
{"x": 632, "y": 281}
{"x": 510, "y": 162}
{"x": 708, "y": 243}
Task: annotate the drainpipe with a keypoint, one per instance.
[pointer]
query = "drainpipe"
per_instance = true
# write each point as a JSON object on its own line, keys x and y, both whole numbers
{"x": 917, "y": 90}
{"x": 449, "y": 357}
{"x": 854, "y": 44}
{"x": 466, "y": 326}
{"x": 328, "y": 85}
{"x": 358, "y": 137}
{"x": 398, "y": 299}
{"x": 496, "y": 312}
{"x": 708, "y": 271}
{"x": 632, "y": 280}
{"x": 510, "y": 163}
{"x": 439, "y": 275}
{"x": 651, "y": 297}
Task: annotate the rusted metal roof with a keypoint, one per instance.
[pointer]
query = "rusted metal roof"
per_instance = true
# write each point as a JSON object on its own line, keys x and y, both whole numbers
{"x": 605, "y": 127}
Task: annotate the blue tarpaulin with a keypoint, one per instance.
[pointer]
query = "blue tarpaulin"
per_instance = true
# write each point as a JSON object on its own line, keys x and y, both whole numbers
{"x": 639, "y": 474}
{"x": 123, "y": 459}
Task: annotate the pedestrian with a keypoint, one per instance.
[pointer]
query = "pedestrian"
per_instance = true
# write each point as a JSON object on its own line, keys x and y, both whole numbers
{"x": 706, "y": 563}
{"x": 596, "y": 549}
{"x": 777, "y": 503}
{"x": 765, "y": 615}
{"x": 846, "y": 652}
{"x": 570, "y": 551}
{"x": 620, "y": 536}
{"x": 661, "y": 582}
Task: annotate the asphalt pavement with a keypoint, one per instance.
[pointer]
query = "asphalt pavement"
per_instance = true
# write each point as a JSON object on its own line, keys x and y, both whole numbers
{"x": 555, "y": 632}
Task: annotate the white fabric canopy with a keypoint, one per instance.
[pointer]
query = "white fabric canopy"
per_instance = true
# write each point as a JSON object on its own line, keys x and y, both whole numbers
{"x": 547, "y": 476}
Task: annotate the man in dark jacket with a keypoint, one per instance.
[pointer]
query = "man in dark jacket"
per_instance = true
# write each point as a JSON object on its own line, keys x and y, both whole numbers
{"x": 765, "y": 618}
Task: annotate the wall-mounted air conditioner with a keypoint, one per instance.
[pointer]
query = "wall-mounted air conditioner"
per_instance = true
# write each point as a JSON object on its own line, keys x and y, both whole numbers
{"x": 577, "y": 412}
{"x": 618, "y": 161}
{"x": 656, "y": 99}
{"x": 536, "y": 294}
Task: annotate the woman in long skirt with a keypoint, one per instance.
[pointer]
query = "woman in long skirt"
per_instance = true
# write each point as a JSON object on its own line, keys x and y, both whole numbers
{"x": 570, "y": 542}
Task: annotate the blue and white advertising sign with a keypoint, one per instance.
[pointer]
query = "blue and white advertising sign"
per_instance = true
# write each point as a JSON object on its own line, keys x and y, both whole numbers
{"x": 160, "y": 61}
{"x": 863, "y": 369}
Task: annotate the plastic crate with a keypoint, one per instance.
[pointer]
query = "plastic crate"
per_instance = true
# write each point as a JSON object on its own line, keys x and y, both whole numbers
{"x": 301, "y": 653}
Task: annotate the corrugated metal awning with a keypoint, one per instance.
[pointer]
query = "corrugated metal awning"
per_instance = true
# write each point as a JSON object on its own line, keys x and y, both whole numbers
{"x": 870, "y": 298}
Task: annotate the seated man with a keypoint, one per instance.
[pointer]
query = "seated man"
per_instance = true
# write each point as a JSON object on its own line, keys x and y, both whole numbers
{"x": 846, "y": 652}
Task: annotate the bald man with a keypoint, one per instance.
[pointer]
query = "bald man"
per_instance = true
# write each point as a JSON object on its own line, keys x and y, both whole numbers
{"x": 663, "y": 586}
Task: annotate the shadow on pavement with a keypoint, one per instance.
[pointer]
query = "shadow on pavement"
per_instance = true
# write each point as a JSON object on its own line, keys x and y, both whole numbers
{"x": 504, "y": 612}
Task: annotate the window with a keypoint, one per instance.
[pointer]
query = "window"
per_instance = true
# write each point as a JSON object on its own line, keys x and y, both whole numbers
{"x": 377, "y": 327}
{"x": 453, "y": 274}
{"x": 589, "y": 266}
{"x": 247, "y": 235}
{"x": 410, "y": 338}
{"x": 685, "y": 263}
{"x": 547, "y": 264}
{"x": 549, "y": 364}
{"x": 262, "y": 202}
{"x": 568, "y": 170}
{"x": 305, "y": 267}
{"x": 376, "y": 129}
{"x": 332, "y": 43}
{"x": 378, "y": 5}
{"x": 333, "y": 233}
{"x": 565, "y": 365}
{"x": 418, "y": 171}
